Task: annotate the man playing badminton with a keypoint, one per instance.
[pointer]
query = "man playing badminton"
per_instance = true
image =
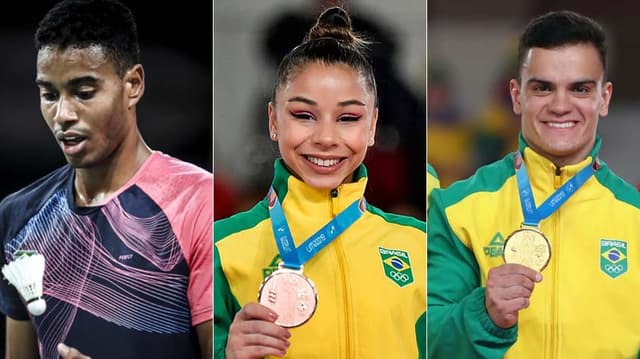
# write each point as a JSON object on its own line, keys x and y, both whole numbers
{"x": 125, "y": 231}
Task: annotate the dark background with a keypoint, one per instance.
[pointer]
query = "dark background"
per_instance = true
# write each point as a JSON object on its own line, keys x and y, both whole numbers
{"x": 174, "y": 116}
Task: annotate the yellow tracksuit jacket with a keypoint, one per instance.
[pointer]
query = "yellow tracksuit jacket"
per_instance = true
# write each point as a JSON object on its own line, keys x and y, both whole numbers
{"x": 586, "y": 304}
{"x": 370, "y": 305}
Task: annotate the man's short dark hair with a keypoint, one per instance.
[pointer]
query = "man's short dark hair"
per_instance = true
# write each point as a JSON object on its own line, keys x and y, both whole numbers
{"x": 83, "y": 23}
{"x": 560, "y": 28}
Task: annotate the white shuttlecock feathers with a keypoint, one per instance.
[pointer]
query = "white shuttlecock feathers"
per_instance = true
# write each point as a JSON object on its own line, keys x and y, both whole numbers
{"x": 25, "y": 273}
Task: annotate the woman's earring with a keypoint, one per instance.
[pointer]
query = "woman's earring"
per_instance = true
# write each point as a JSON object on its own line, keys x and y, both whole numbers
{"x": 370, "y": 142}
{"x": 273, "y": 136}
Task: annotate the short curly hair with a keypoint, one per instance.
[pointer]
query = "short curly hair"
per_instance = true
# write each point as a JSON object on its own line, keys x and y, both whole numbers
{"x": 83, "y": 23}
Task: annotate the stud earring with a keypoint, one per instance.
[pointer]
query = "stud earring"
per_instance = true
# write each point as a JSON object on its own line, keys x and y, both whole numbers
{"x": 370, "y": 142}
{"x": 273, "y": 136}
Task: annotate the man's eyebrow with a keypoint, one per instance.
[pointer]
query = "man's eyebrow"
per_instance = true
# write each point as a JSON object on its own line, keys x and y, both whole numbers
{"x": 79, "y": 81}
{"x": 85, "y": 80}
{"x": 584, "y": 82}
{"x": 42, "y": 83}
{"x": 538, "y": 80}
{"x": 574, "y": 83}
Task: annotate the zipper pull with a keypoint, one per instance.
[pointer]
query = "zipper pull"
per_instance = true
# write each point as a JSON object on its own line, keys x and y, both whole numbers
{"x": 557, "y": 179}
{"x": 334, "y": 193}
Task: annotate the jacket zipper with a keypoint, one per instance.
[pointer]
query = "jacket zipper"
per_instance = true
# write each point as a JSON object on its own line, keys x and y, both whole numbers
{"x": 553, "y": 349}
{"x": 343, "y": 276}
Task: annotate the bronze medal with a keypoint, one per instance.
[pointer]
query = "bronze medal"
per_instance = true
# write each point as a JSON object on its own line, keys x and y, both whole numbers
{"x": 291, "y": 295}
{"x": 529, "y": 247}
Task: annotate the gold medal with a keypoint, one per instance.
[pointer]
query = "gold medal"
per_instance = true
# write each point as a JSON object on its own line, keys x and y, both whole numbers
{"x": 529, "y": 247}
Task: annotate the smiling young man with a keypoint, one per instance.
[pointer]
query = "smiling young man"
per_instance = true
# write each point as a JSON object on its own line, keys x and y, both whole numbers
{"x": 572, "y": 222}
{"x": 125, "y": 230}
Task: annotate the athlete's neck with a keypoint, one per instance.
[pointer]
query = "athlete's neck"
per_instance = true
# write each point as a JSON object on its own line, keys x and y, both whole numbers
{"x": 95, "y": 184}
{"x": 563, "y": 160}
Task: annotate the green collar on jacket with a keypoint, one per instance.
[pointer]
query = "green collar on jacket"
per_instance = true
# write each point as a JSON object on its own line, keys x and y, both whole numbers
{"x": 309, "y": 199}
{"x": 522, "y": 144}
{"x": 545, "y": 175}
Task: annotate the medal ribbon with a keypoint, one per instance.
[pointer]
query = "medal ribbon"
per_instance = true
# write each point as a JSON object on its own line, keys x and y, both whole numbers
{"x": 533, "y": 215}
{"x": 293, "y": 257}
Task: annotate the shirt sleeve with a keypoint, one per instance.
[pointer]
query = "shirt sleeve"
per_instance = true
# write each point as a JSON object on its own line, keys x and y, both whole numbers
{"x": 200, "y": 264}
{"x": 458, "y": 323}
{"x": 11, "y": 303}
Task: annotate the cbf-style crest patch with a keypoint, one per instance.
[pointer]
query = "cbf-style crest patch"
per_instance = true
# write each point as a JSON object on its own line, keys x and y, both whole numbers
{"x": 397, "y": 266}
{"x": 613, "y": 257}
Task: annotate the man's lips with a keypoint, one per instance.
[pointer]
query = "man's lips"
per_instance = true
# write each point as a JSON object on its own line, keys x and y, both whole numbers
{"x": 70, "y": 137}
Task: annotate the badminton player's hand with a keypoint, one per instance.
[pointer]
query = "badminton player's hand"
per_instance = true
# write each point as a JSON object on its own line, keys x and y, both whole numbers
{"x": 67, "y": 352}
{"x": 254, "y": 334}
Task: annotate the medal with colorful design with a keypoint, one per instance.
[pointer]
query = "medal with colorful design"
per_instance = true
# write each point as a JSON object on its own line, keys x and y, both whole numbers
{"x": 287, "y": 291}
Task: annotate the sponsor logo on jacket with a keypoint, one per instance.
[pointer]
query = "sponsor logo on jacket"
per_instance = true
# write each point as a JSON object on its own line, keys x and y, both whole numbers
{"x": 494, "y": 249}
{"x": 272, "y": 267}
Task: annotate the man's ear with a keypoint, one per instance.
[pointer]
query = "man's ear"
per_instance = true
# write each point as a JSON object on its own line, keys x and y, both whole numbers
{"x": 607, "y": 91}
{"x": 134, "y": 85}
{"x": 514, "y": 91}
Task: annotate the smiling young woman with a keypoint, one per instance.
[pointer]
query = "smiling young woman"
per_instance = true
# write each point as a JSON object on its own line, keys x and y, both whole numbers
{"x": 320, "y": 258}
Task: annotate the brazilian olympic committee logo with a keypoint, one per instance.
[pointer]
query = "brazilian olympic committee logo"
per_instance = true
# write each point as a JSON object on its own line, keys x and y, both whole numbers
{"x": 613, "y": 257}
{"x": 397, "y": 266}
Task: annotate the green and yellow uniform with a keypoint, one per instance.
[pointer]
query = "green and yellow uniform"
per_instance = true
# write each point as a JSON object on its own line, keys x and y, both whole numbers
{"x": 585, "y": 306}
{"x": 370, "y": 280}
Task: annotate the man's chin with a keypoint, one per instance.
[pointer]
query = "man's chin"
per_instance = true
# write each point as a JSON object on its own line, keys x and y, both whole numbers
{"x": 79, "y": 163}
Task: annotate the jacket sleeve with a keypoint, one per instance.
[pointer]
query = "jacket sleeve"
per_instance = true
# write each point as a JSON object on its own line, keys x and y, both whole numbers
{"x": 421, "y": 336}
{"x": 458, "y": 323}
{"x": 225, "y": 308}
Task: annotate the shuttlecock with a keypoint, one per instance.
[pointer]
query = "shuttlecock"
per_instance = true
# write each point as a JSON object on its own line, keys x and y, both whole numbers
{"x": 25, "y": 273}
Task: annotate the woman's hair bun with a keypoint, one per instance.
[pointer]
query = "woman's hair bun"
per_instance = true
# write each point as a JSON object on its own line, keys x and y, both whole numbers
{"x": 335, "y": 17}
{"x": 334, "y": 23}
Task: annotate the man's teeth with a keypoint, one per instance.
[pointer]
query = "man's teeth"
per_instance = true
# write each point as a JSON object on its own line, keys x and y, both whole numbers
{"x": 72, "y": 139}
{"x": 561, "y": 124}
{"x": 323, "y": 163}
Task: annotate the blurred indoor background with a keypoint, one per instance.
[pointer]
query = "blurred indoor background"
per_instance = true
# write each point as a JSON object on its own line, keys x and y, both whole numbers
{"x": 472, "y": 49}
{"x": 250, "y": 38}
